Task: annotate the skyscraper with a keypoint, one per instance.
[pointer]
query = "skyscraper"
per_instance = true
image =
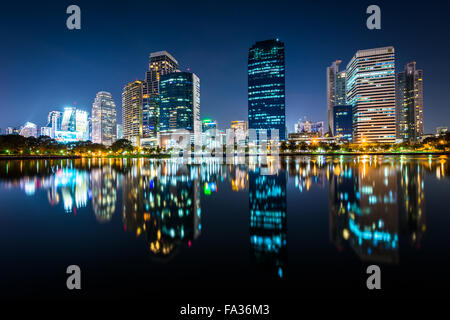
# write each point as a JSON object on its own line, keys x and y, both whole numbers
{"x": 341, "y": 90}
{"x": 160, "y": 63}
{"x": 180, "y": 102}
{"x": 68, "y": 119}
{"x": 266, "y": 87}
{"x": 54, "y": 122}
{"x": 132, "y": 111}
{"x": 82, "y": 124}
{"x": 332, "y": 76}
{"x": 371, "y": 92}
{"x": 410, "y": 103}
{"x": 104, "y": 119}
{"x": 343, "y": 122}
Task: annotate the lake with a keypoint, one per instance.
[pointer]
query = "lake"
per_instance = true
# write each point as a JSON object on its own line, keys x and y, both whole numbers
{"x": 169, "y": 229}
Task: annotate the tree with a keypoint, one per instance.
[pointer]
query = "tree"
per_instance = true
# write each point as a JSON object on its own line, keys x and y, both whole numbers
{"x": 122, "y": 145}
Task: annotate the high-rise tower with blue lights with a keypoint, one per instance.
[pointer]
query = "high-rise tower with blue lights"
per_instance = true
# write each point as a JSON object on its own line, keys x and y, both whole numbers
{"x": 266, "y": 87}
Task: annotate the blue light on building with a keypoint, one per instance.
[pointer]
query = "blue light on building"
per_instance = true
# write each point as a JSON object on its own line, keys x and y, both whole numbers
{"x": 266, "y": 87}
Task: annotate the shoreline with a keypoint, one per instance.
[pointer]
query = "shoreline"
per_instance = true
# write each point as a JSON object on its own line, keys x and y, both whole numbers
{"x": 167, "y": 156}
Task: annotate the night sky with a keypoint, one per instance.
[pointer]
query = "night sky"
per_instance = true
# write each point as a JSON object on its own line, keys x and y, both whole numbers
{"x": 44, "y": 66}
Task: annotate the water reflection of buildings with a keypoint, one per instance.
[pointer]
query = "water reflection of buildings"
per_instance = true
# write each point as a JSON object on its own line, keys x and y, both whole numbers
{"x": 369, "y": 201}
{"x": 308, "y": 172}
{"x": 412, "y": 203}
{"x": 104, "y": 192}
{"x": 268, "y": 220}
{"x": 163, "y": 200}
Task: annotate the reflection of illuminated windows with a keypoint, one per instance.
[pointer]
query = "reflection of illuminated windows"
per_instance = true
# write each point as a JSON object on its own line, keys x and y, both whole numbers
{"x": 268, "y": 224}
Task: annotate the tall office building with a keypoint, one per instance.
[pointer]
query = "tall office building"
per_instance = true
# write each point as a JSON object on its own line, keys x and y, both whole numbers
{"x": 104, "y": 119}
{"x": 341, "y": 90}
{"x": 160, "y": 63}
{"x": 343, "y": 122}
{"x": 132, "y": 111}
{"x": 54, "y": 122}
{"x": 332, "y": 94}
{"x": 371, "y": 92}
{"x": 180, "y": 102}
{"x": 68, "y": 119}
{"x": 410, "y": 103}
{"x": 74, "y": 125}
{"x": 266, "y": 87}
{"x": 82, "y": 124}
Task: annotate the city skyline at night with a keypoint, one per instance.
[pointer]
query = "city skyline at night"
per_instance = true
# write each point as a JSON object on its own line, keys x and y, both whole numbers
{"x": 60, "y": 72}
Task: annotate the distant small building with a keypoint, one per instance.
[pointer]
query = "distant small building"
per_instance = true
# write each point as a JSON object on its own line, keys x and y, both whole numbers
{"x": 208, "y": 124}
{"x": 441, "y": 130}
{"x": 308, "y": 139}
{"x": 46, "y": 131}
{"x": 309, "y": 128}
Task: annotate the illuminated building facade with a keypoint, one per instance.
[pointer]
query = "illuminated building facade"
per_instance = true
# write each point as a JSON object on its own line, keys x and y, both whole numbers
{"x": 371, "y": 92}
{"x": 119, "y": 131}
{"x": 208, "y": 124}
{"x": 309, "y": 128}
{"x": 332, "y": 91}
{"x": 343, "y": 122}
{"x": 266, "y": 87}
{"x": 268, "y": 220}
{"x": 104, "y": 119}
{"x": 68, "y": 119}
{"x": 46, "y": 131}
{"x": 74, "y": 125}
{"x": 29, "y": 130}
{"x": 132, "y": 111}
{"x": 82, "y": 124}
{"x": 54, "y": 122}
{"x": 160, "y": 63}
{"x": 180, "y": 102}
{"x": 410, "y": 103}
{"x": 240, "y": 131}
{"x": 239, "y": 125}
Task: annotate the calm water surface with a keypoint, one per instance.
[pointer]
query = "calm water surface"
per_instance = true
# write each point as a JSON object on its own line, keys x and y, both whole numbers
{"x": 165, "y": 228}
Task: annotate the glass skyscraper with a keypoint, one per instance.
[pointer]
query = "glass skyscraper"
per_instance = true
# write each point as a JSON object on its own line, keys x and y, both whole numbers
{"x": 410, "y": 104}
{"x": 104, "y": 119}
{"x": 180, "y": 102}
{"x": 160, "y": 63}
{"x": 336, "y": 92}
{"x": 343, "y": 122}
{"x": 371, "y": 92}
{"x": 266, "y": 87}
